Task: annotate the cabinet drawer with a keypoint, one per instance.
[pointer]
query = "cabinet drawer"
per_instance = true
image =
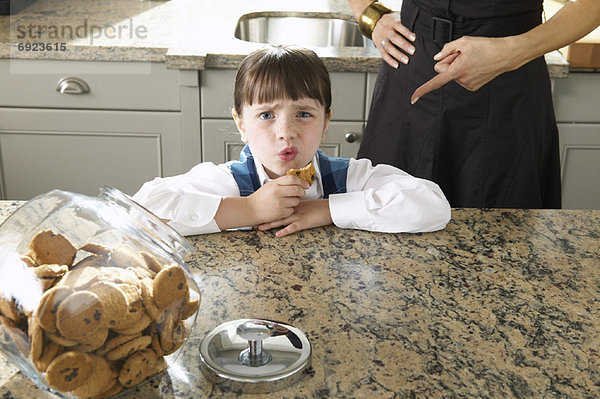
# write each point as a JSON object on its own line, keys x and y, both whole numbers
{"x": 576, "y": 98}
{"x": 112, "y": 85}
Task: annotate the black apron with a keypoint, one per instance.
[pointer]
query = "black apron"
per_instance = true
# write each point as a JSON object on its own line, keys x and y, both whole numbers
{"x": 495, "y": 147}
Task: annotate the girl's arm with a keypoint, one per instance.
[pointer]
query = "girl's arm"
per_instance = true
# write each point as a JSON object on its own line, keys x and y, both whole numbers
{"x": 273, "y": 201}
{"x": 207, "y": 200}
{"x": 386, "y": 199}
{"x": 189, "y": 202}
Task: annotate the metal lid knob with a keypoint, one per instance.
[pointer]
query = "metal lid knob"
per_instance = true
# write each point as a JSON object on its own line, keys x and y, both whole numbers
{"x": 254, "y": 331}
{"x": 255, "y": 356}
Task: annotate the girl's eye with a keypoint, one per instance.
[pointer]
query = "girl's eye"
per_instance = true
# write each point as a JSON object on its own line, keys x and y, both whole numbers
{"x": 303, "y": 114}
{"x": 266, "y": 115}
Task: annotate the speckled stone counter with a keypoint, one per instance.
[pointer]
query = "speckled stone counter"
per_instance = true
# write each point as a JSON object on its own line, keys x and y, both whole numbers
{"x": 186, "y": 34}
{"x": 502, "y": 303}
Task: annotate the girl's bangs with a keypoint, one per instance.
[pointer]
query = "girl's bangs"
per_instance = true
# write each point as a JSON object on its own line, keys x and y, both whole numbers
{"x": 272, "y": 84}
{"x": 279, "y": 73}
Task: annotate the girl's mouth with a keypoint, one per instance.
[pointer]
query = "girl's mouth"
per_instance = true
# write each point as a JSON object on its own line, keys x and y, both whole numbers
{"x": 288, "y": 154}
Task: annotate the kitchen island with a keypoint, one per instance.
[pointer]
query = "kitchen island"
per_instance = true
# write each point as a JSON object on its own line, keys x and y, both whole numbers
{"x": 502, "y": 303}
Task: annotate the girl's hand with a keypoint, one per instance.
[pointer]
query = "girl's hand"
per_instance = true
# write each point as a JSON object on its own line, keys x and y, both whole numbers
{"x": 389, "y": 36}
{"x": 307, "y": 214}
{"x": 276, "y": 199}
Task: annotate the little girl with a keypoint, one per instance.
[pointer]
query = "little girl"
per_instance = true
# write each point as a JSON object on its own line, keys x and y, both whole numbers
{"x": 282, "y": 99}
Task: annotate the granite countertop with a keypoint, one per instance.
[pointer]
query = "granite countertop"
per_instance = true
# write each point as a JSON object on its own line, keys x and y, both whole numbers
{"x": 186, "y": 34}
{"x": 502, "y": 303}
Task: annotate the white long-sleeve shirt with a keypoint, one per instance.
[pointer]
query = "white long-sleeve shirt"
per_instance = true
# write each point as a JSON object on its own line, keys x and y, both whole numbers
{"x": 378, "y": 198}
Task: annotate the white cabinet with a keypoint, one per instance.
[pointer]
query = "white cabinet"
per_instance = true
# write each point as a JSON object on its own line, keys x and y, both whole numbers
{"x": 580, "y": 165}
{"x": 221, "y": 140}
{"x": 343, "y": 138}
{"x": 79, "y": 150}
{"x": 371, "y": 78}
{"x": 577, "y": 106}
{"x": 136, "y": 122}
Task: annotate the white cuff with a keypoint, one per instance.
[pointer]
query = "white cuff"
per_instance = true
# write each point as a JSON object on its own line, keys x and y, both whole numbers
{"x": 349, "y": 210}
{"x": 195, "y": 214}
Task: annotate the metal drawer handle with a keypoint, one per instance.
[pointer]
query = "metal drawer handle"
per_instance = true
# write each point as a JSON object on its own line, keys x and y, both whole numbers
{"x": 352, "y": 137}
{"x": 72, "y": 85}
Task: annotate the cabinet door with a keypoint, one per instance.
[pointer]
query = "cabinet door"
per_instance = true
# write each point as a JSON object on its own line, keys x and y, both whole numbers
{"x": 580, "y": 165}
{"x": 78, "y": 151}
{"x": 371, "y": 79}
{"x": 343, "y": 139}
{"x": 221, "y": 140}
{"x": 576, "y": 98}
{"x": 216, "y": 93}
{"x": 348, "y": 95}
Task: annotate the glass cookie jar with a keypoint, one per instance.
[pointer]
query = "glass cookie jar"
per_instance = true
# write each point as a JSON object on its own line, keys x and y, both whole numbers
{"x": 95, "y": 296}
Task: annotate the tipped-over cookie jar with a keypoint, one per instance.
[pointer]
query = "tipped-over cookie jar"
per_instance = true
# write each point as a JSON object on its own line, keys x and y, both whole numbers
{"x": 95, "y": 296}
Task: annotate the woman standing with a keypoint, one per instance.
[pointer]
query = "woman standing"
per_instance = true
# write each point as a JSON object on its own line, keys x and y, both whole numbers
{"x": 463, "y": 97}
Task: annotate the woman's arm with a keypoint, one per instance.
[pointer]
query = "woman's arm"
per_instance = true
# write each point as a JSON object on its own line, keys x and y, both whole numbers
{"x": 389, "y": 35}
{"x": 474, "y": 61}
{"x": 386, "y": 199}
{"x": 358, "y": 6}
{"x": 574, "y": 20}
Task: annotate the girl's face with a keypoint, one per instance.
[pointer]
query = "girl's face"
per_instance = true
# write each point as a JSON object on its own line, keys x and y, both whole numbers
{"x": 284, "y": 134}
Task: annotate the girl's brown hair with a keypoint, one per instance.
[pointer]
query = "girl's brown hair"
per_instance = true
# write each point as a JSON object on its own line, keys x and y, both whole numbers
{"x": 281, "y": 72}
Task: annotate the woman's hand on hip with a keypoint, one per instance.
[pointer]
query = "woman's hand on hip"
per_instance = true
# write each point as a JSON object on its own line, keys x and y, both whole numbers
{"x": 470, "y": 61}
{"x": 393, "y": 40}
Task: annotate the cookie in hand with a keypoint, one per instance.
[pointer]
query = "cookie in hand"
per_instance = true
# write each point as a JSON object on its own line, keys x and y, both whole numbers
{"x": 307, "y": 173}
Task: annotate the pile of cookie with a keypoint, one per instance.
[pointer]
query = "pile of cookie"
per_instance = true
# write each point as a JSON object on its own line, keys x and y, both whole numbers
{"x": 106, "y": 319}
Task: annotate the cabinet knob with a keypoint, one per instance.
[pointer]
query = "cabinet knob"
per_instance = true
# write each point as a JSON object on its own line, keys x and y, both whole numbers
{"x": 352, "y": 137}
{"x": 72, "y": 85}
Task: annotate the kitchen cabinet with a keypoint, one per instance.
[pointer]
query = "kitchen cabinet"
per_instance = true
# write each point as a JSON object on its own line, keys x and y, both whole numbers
{"x": 371, "y": 78}
{"x": 576, "y": 101}
{"x": 79, "y": 150}
{"x": 221, "y": 140}
{"x": 115, "y": 123}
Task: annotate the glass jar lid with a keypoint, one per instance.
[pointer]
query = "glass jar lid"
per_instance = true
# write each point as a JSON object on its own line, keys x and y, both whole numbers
{"x": 255, "y": 356}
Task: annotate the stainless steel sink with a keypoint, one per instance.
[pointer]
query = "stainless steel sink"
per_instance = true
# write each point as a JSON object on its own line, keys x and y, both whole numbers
{"x": 302, "y": 29}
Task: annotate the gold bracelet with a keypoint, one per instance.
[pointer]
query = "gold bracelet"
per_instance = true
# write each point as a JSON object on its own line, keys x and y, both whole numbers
{"x": 370, "y": 16}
